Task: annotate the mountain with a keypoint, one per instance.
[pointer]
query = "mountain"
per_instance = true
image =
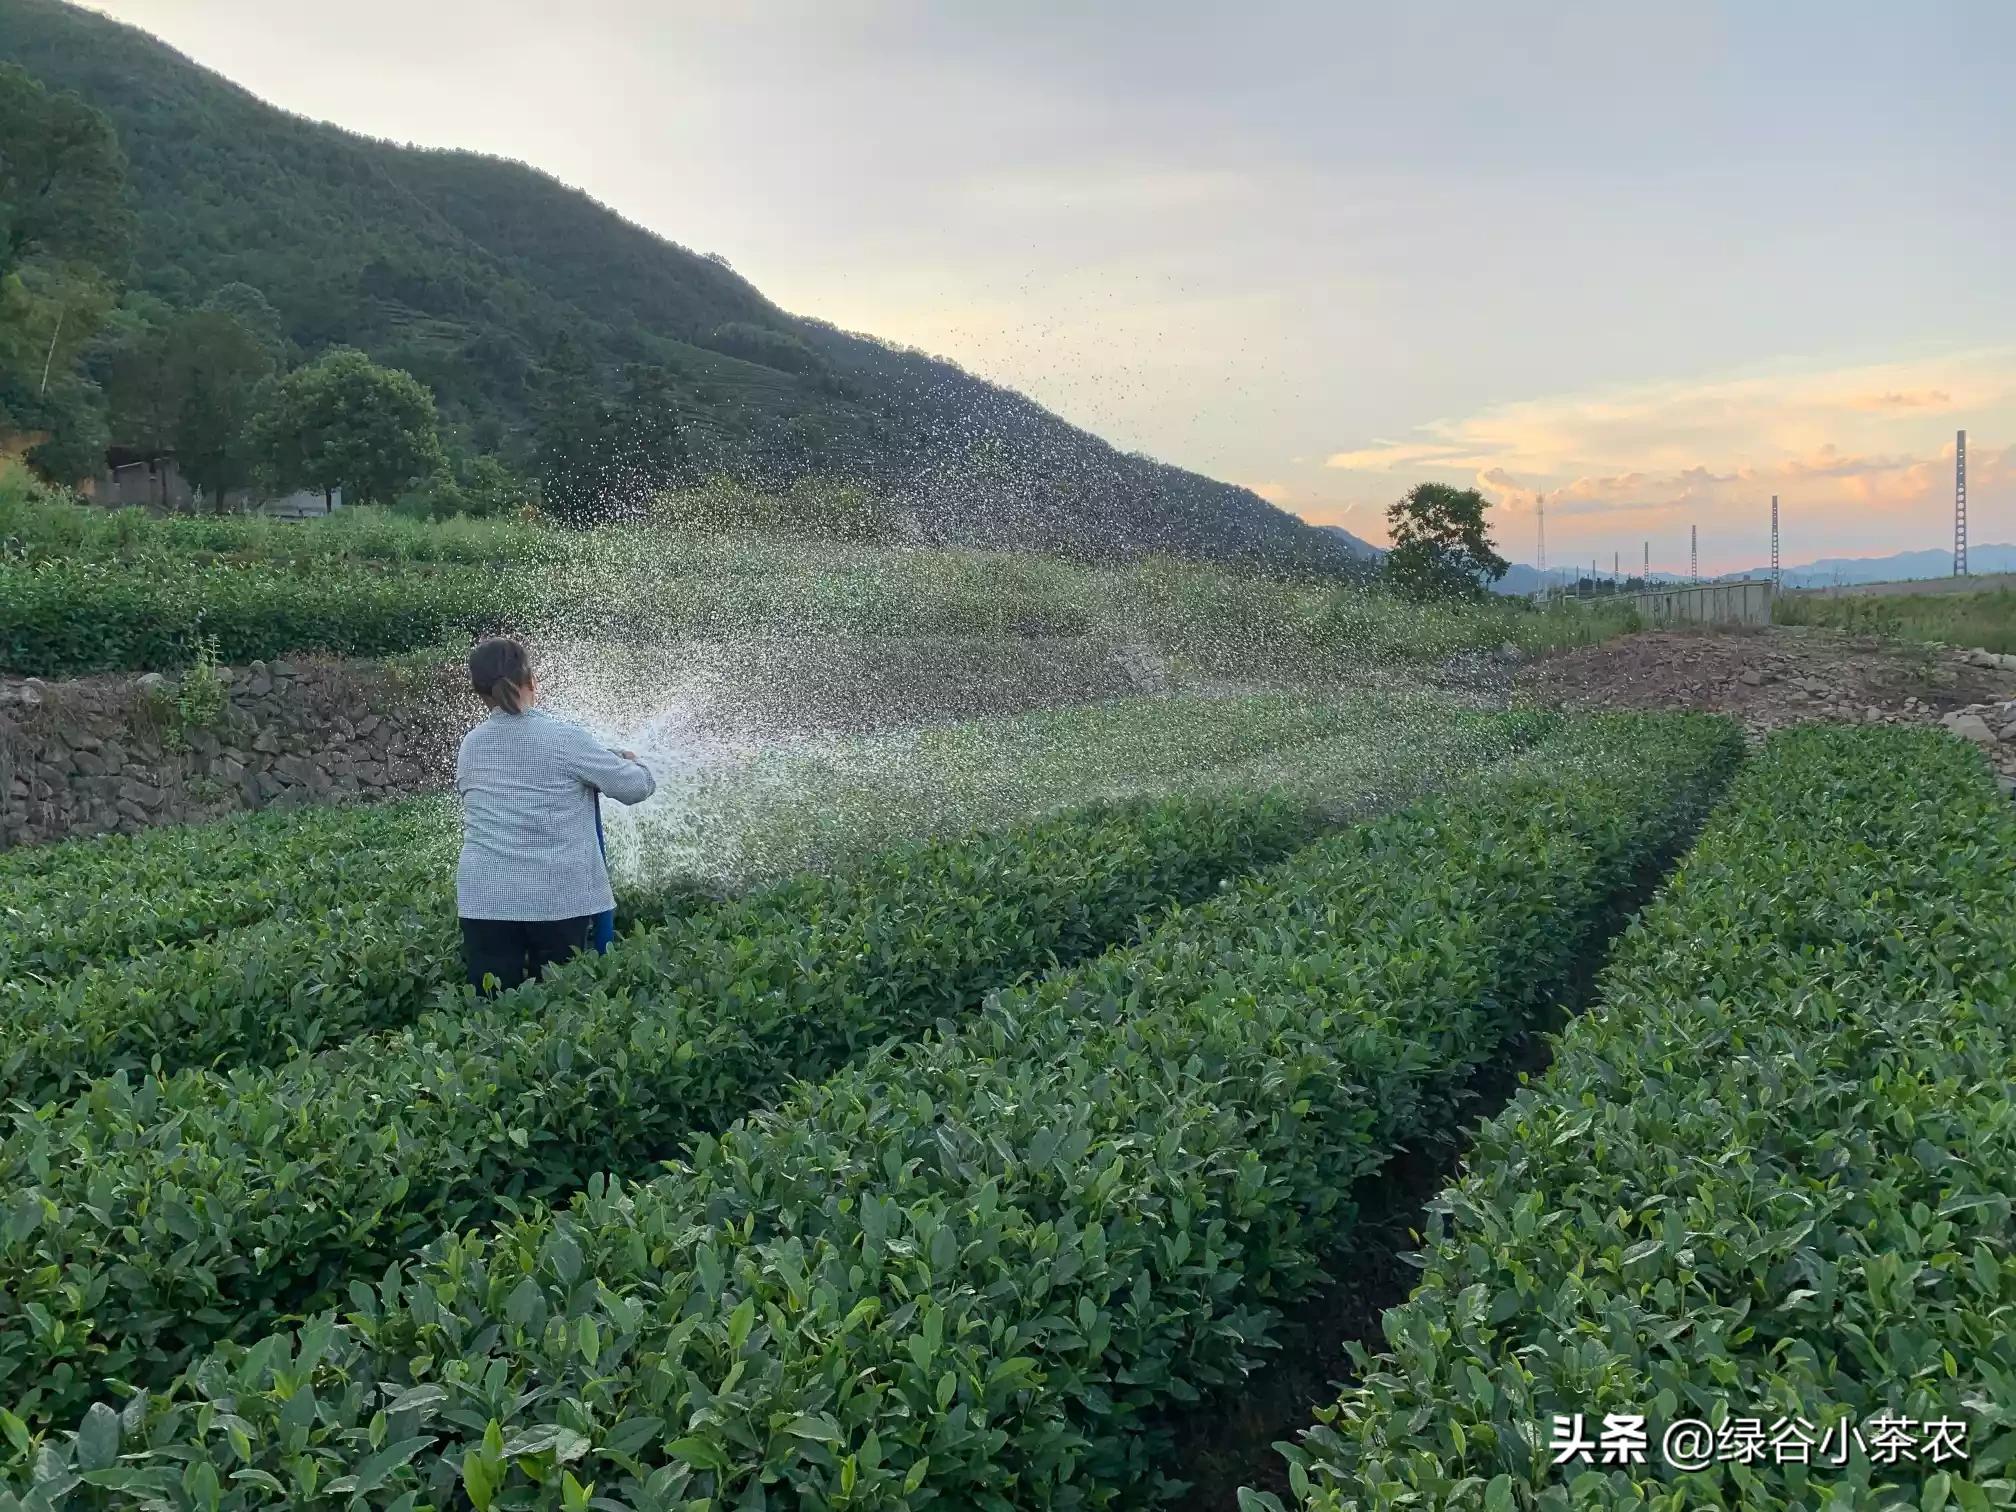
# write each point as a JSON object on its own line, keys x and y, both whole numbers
{"x": 1827, "y": 572}
{"x": 481, "y": 276}
{"x": 1901, "y": 566}
{"x": 1361, "y": 548}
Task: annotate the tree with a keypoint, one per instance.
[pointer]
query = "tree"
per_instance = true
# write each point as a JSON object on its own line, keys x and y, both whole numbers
{"x": 187, "y": 382}
{"x": 64, "y": 234}
{"x": 142, "y": 385}
{"x": 62, "y": 180}
{"x": 601, "y": 459}
{"x": 344, "y": 422}
{"x": 47, "y": 406}
{"x": 255, "y": 311}
{"x": 221, "y": 363}
{"x": 1439, "y": 547}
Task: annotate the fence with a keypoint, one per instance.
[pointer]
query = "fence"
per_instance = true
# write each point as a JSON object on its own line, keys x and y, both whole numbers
{"x": 1747, "y": 602}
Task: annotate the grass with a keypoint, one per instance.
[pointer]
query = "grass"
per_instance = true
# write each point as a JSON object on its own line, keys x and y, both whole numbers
{"x": 1984, "y": 620}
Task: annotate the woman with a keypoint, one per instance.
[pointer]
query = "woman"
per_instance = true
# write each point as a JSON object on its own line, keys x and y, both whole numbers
{"x": 532, "y": 878}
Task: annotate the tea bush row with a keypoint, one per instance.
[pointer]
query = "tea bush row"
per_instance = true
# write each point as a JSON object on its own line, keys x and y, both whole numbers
{"x": 147, "y": 1219}
{"x": 970, "y": 1272}
{"x": 1771, "y": 1178}
{"x": 98, "y": 913}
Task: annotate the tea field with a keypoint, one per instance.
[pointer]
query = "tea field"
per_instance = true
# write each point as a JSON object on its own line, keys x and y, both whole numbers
{"x": 982, "y": 1140}
{"x": 86, "y": 591}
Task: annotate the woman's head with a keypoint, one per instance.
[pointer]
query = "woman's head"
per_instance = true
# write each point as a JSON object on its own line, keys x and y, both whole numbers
{"x": 500, "y": 670}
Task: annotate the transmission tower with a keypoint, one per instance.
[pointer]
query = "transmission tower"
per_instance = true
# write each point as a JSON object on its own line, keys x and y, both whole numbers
{"x": 1694, "y": 552}
{"x": 1615, "y": 575}
{"x": 1960, "y": 505}
{"x": 1774, "y": 543}
{"x": 1540, "y": 511}
{"x": 1648, "y": 564}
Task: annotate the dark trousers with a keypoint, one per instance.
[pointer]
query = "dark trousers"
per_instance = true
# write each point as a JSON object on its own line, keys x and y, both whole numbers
{"x": 513, "y": 950}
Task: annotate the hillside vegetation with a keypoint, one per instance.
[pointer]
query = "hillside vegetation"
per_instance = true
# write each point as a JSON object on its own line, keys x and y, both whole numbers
{"x": 86, "y": 591}
{"x": 496, "y": 286}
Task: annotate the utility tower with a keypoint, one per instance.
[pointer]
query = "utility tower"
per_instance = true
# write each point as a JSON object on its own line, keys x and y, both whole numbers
{"x": 1774, "y": 543}
{"x": 1615, "y": 575}
{"x": 1648, "y": 564}
{"x": 1540, "y": 511}
{"x": 1960, "y": 504}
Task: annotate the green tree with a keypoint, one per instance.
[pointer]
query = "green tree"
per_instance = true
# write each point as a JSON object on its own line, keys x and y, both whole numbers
{"x": 62, "y": 180}
{"x": 603, "y": 459}
{"x": 48, "y": 407}
{"x": 187, "y": 382}
{"x": 256, "y": 312}
{"x": 1439, "y": 547}
{"x": 220, "y": 363}
{"x": 344, "y": 422}
{"x": 65, "y": 230}
{"x": 142, "y": 382}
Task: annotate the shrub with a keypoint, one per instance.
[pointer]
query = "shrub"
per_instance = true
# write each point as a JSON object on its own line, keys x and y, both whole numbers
{"x": 178, "y": 1211}
{"x": 960, "y": 1274}
{"x": 1771, "y": 1177}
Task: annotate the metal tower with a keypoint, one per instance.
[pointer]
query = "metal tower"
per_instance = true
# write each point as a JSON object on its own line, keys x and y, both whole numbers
{"x": 1648, "y": 564}
{"x": 1615, "y": 575}
{"x": 1540, "y": 510}
{"x": 1694, "y": 552}
{"x": 1960, "y": 504}
{"x": 1774, "y": 542}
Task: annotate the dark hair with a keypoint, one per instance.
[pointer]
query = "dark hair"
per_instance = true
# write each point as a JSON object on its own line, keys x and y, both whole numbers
{"x": 499, "y": 669}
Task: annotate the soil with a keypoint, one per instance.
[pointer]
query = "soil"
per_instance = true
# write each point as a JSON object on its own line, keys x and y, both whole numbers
{"x": 1778, "y": 676}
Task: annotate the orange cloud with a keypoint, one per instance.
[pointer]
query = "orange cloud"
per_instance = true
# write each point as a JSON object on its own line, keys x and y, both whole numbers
{"x": 1861, "y": 459}
{"x": 1927, "y": 399}
{"x": 1274, "y": 493}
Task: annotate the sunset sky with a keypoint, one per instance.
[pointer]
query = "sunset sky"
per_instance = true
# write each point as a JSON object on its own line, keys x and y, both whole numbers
{"x": 1657, "y": 262}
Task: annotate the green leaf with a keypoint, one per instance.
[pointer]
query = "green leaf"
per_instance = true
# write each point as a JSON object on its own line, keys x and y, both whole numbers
{"x": 98, "y": 1438}
{"x": 740, "y": 1322}
{"x": 700, "y": 1453}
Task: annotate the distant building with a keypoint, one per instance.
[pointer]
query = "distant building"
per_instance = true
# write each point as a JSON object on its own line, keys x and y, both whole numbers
{"x": 151, "y": 480}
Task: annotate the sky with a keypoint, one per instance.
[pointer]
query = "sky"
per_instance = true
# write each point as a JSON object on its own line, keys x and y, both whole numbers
{"x": 1649, "y": 263}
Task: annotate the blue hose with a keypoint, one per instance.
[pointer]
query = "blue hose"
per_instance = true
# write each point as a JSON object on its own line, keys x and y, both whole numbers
{"x": 602, "y": 930}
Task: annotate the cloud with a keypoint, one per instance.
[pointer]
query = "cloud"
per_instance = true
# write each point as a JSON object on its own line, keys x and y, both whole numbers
{"x": 1926, "y": 399}
{"x": 1280, "y": 494}
{"x": 1384, "y": 456}
{"x": 1858, "y": 455}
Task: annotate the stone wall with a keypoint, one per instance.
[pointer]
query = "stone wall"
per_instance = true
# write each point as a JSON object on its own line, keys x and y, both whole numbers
{"x": 110, "y": 754}
{"x": 107, "y": 754}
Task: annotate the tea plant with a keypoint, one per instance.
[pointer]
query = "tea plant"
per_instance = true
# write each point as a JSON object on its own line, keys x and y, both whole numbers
{"x": 154, "y": 1217}
{"x": 1772, "y": 1176}
{"x": 960, "y": 1273}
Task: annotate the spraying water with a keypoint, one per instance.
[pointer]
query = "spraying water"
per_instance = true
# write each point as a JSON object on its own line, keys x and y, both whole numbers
{"x": 658, "y": 702}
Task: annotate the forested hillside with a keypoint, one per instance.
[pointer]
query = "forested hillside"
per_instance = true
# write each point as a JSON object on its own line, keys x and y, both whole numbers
{"x": 508, "y": 294}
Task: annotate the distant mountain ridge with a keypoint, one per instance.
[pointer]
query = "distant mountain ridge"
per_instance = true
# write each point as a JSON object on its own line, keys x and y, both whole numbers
{"x": 1898, "y": 567}
{"x": 1361, "y": 547}
{"x": 482, "y": 276}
